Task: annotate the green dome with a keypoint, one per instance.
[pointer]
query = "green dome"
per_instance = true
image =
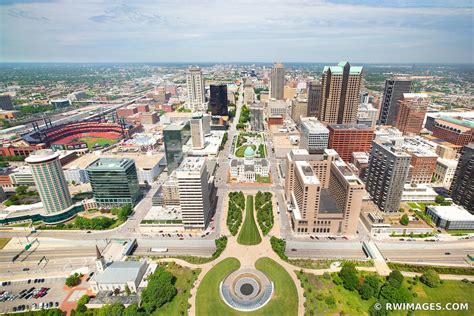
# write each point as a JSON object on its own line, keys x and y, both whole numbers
{"x": 249, "y": 152}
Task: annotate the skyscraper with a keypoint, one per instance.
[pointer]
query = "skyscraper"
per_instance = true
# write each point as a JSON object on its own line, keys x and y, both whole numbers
{"x": 218, "y": 101}
{"x": 256, "y": 117}
{"x": 299, "y": 108}
{"x": 114, "y": 182}
{"x": 346, "y": 139}
{"x": 393, "y": 92}
{"x": 197, "y": 131}
{"x": 175, "y": 136}
{"x": 194, "y": 195}
{"x": 411, "y": 112}
{"x": 387, "y": 174}
{"x": 6, "y": 102}
{"x": 314, "y": 135}
{"x": 277, "y": 81}
{"x": 49, "y": 178}
{"x": 340, "y": 96}
{"x": 195, "y": 87}
{"x": 314, "y": 98}
{"x": 462, "y": 187}
{"x": 324, "y": 194}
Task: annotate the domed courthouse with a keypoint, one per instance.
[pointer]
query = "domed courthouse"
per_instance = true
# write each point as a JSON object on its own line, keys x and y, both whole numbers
{"x": 246, "y": 169}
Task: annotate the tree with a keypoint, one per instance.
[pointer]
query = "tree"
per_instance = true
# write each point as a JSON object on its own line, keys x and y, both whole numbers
{"x": 366, "y": 291}
{"x": 430, "y": 278}
{"x": 370, "y": 287}
{"x": 21, "y": 190}
{"x": 132, "y": 310}
{"x": 439, "y": 199}
{"x": 395, "y": 278}
{"x": 396, "y": 295}
{"x": 349, "y": 276}
{"x": 73, "y": 279}
{"x": 81, "y": 303}
{"x": 160, "y": 290}
{"x": 404, "y": 220}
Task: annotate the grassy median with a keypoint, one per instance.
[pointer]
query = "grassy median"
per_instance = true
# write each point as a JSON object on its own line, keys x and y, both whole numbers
{"x": 249, "y": 234}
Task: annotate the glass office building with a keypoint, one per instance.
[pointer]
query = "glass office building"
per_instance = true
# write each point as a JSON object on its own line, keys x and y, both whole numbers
{"x": 114, "y": 182}
{"x": 175, "y": 137}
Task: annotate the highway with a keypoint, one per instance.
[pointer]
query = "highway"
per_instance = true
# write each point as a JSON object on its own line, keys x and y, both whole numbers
{"x": 427, "y": 252}
{"x": 325, "y": 250}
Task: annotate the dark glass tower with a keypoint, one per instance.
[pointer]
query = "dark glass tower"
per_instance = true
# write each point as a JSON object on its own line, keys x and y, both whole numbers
{"x": 462, "y": 187}
{"x": 393, "y": 92}
{"x": 218, "y": 100}
{"x": 175, "y": 137}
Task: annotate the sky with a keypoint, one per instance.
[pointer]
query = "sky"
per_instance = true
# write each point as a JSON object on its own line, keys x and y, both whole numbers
{"x": 364, "y": 31}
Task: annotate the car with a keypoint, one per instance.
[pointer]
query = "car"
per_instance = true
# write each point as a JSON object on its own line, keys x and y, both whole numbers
{"x": 29, "y": 281}
{"x": 293, "y": 249}
{"x": 26, "y": 269}
{"x": 91, "y": 273}
{"x": 447, "y": 253}
{"x": 14, "y": 308}
{"x": 345, "y": 238}
{"x": 181, "y": 238}
{"x": 88, "y": 232}
{"x": 312, "y": 237}
{"x": 35, "y": 281}
{"x": 51, "y": 304}
{"x": 56, "y": 304}
{"x": 316, "y": 237}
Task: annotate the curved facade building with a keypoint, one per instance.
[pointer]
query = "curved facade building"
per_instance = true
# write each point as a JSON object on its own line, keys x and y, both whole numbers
{"x": 49, "y": 178}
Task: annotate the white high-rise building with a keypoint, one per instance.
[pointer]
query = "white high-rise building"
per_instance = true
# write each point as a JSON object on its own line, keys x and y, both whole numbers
{"x": 314, "y": 135}
{"x": 367, "y": 114}
{"x": 197, "y": 131}
{"x": 195, "y": 88}
{"x": 194, "y": 195}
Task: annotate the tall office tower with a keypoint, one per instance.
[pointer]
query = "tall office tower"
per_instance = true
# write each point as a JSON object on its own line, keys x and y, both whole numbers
{"x": 393, "y": 92}
{"x": 299, "y": 108}
{"x": 340, "y": 98}
{"x": 462, "y": 187}
{"x": 197, "y": 131}
{"x": 367, "y": 114}
{"x": 6, "y": 102}
{"x": 49, "y": 179}
{"x": 114, "y": 182}
{"x": 249, "y": 92}
{"x": 206, "y": 123}
{"x": 348, "y": 138}
{"x": 386, "y": 175}
{"x": 195, "y": 87}
{"x": 314, "y": 98}
{"x": 175, "y": 136}
{"x": 194, "y": 192}
{"x": 256, "y": 117}
{"x": 411, "y": 112}
{"x": 218, "y": 101}
{"x": 314, "y": 135}
{"x": 324, "y": 194}
{"x": 277, "y": 81}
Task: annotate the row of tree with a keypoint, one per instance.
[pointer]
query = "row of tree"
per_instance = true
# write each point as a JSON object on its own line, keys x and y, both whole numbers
{"x": 264, "y": 209}
{"x": 235, "y": 211}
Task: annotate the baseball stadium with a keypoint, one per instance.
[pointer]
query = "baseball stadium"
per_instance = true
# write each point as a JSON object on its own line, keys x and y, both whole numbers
{"x": 80, "y": 135}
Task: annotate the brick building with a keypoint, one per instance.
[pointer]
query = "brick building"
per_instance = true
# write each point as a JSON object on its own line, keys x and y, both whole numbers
{"x": 348, "y": 138}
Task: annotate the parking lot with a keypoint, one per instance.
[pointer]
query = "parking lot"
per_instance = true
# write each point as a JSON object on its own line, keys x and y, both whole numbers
{"x": 29, "y": 295}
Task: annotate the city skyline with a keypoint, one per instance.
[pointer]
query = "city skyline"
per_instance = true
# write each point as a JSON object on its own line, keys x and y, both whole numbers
{"x": 396, "y": 32}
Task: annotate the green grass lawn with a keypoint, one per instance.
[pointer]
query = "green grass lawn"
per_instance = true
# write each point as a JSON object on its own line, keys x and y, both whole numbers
{"x": 249, "y": 234}
{"x": 240, "y": 151}
{"x": 208, "y": 301}
{"x": 284, "y": 300}
{"x": 285, "y": 297}
{"x": 91, "y": 141}
{"x": 184, "y": 283}
{"x": 318, "y": 290}
{"x": 4, "y": 242}
{"x": 448, "y": 292}
{"x": 262, "y": 179}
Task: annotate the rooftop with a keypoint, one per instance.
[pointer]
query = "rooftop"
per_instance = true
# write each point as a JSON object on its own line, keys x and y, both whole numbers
{"x": 313, "y": 125}
{"x": 119, "y": 272}
{"x": 192, "y": 164}
{"x": 350, "y": 127}
{"x": 42, "y": 155}
{"x": 452, "y": 212}
{"x": 465, "y": 123}
{"x": 110, "y": 163}
{"x": 306, "y": 172}
{"x": 338, "y": 70}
